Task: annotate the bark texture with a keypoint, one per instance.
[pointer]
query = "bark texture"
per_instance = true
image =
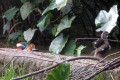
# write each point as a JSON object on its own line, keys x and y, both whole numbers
{"x": 38, "y": 60}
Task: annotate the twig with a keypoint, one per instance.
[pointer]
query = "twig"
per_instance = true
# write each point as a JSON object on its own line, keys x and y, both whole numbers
{"x": 94, "y": 39}
{"x": 108, "y": 56}
{"x": 57, "y": 18}
{"x": 110, "y": 65}
{"x": 15, "y": 26}
{"x": 111, "y": 76}
{"x": 51, "y": 67}
{"x": 4, "y": 45}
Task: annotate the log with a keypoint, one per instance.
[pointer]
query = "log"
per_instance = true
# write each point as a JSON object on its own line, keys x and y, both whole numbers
{"x": 39, "y": 60}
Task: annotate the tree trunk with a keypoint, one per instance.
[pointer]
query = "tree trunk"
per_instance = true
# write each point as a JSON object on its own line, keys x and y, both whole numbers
{"x": 34, "y": 61}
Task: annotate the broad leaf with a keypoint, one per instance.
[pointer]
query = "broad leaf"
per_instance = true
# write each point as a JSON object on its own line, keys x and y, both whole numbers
{"x": 70, "y": 48}
{"x": 6, "y": 26}
{"x": 44, "y": 22}
{"x": 67, "y": 8}
{"x": 79, "y": 49}
{"x": 25, "y": 10}
{"x": 65, "y": 23}
{"x": 58, "y": 44}
{"x": 54, "y": 29}
{"x": 61, "y": 72}
{"x": 15, "y": 35}
{"x": 12, "y": 36}
{"x": 55, "y": 4}
{"x": 9, "y": 14}
{"x": 107, "y": 20}
{"x": 28, "y": 34}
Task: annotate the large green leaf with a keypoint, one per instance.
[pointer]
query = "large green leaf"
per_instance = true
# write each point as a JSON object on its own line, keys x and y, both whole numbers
{"x": 107, "y": 20}
{"x": 28, "y": 34}
{"x": 9, "y": 14}
{"x": 15, "y": 35}
{"x": 65, "y": 23}
{"x": 61, "y": 72}
{"x": 6, "y": 26}
{"x": 79, "y": 49}
{"x": 25, "y": 10}
{"x": 55, "y": 4}
{"x": 70, "y": 48}
{"x": 44, "y": 22}
{"x": 58, "y": 44}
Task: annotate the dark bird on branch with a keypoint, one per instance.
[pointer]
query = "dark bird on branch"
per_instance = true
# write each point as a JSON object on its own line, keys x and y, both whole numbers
{"x": 102, "y": 45}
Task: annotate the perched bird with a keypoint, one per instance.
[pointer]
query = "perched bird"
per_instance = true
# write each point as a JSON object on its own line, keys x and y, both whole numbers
{"x": 23, "y": 46}
{"x": 101, "y": 45}
{"x": 98, "y": 43}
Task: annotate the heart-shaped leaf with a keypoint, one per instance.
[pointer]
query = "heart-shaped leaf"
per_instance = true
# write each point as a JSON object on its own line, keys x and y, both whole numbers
{"x": 28, "y": 34}
{"x": 67, "y": 8}
{"x": 70, "y": 48}
{"x": 25, "y": 10}
{"x": 61, "y": 72}
{"x": 44, "y": 22}
{"x": 55, "y": 4}
{"x": 107, "y": 20}
{"x": 58, "y": 44}
{"x": 9, "y": 14}
{"x": 15, "y": 35}
{"x": 65, "y": 23}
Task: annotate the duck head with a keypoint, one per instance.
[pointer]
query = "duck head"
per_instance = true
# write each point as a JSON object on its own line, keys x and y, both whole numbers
{"x": 21, "y": 46}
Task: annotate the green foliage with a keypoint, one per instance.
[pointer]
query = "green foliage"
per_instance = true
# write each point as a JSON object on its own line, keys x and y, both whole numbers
{"x": 67, "y": 8}
{"x": 9, "y": 14}
{"x": 54, "y": 30}
{"x": 107, "y": 19}
{"x": 70, "y": 48}
{"x": 48, "y": 21}
{"x": 6, "y": 27}
{"x": 65, "y": 23}
{"x": 23, "y": 1}
{"x": 28, "y": 34}
{"x": 59, "y": 4}
{"x": 58, "y": 44}
{"x": 16, "y": 35}
{"x": 10, "y": 72}
{"x": 103, "y": 76}
{"x": 61, "y": 72}
{"x": 79, "y": 49}
{"x": 36, "y": 2}
{"x": 25, "y": 10}
{"x": 44, "y": 22}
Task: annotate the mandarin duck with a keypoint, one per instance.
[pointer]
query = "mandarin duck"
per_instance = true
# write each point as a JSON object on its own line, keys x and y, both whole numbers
{"x": 31, "y": 47}
{"x": 23, "y": 46}
{"x": 101, "y": 45}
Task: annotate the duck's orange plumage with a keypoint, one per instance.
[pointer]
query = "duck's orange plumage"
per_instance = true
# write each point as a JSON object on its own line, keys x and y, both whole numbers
{"x": 30, "y": 47}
